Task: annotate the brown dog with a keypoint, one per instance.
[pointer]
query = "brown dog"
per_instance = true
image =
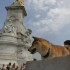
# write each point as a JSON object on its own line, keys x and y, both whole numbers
{"x": 47, "y": 49}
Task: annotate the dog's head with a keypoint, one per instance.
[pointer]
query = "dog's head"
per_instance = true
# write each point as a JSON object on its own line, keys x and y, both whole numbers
{"x": 35, "y": 45}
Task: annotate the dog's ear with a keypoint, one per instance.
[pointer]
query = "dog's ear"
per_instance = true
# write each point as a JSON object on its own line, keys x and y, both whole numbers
{"x": 35, "y": 38}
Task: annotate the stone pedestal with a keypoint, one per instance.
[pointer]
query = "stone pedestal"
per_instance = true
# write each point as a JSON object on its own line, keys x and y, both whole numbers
{"x": 8, "y": 49}
{"x": 14, "y": 37}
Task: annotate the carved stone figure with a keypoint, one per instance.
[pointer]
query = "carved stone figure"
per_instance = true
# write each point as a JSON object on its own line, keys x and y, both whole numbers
{"x": 9, "y": 27}
{"x": 26, "y": 38}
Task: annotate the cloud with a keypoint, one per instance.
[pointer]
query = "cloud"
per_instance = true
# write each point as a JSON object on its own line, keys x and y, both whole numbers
{"x": 61, "y": 18}
{"x": 48, "y": 15}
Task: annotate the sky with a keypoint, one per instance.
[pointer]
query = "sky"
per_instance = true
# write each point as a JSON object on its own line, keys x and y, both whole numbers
{"x": 48, "y": 19}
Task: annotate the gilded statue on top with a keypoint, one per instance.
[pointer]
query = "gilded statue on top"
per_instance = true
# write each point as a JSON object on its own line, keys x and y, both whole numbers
{"x": 20, "y": 2}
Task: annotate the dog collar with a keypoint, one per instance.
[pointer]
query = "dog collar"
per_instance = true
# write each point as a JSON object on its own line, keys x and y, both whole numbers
{"x": 47, "y": 54}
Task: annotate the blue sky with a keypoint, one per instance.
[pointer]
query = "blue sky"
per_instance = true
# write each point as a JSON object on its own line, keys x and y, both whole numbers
{"x": 49, "y": 19}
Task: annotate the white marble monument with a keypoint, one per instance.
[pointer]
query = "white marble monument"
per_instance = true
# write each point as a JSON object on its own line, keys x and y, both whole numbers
{"x": 14, "y": 37}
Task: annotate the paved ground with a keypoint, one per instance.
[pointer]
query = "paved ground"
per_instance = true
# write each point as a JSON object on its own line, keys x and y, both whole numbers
{"x": 62, "y": 63}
